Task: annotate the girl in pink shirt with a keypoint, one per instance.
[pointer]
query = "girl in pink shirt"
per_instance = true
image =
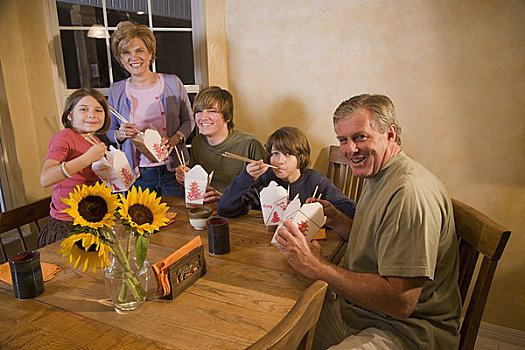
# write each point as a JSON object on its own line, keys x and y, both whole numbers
{"x": 68, "y": 161}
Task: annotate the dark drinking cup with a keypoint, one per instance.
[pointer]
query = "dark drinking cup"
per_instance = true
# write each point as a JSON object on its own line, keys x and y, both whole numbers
{"x": 218, "y": 235}
{"x": 26, "y": 274}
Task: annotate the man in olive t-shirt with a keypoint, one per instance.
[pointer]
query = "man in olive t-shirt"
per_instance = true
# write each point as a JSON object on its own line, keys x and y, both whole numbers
{"x": 398, "y": 286}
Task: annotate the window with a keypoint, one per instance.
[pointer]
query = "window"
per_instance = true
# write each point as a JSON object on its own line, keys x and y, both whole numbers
{"x": 85, "y": 26}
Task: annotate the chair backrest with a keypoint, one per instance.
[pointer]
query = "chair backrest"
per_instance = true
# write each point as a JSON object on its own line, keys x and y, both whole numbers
{"x": 341, "y": 174}
{"x": 296, "y": 330}
{"x": 19, "y": 217}
{"x": 478, "y": 235}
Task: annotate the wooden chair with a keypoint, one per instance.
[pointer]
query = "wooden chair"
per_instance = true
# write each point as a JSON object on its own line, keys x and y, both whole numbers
{"x": 19, "y": 217}
{"x": 478, "y": 234}
{"x": 341, "y": 174}
{"x": 296, "y": 330}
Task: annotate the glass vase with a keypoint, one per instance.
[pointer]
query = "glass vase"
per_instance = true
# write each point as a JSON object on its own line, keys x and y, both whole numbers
{"x": 126, "y": 281}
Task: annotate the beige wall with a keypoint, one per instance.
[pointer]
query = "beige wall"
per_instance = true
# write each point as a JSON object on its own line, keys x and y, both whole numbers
{"x": 455, "y": 71}
{"x": 26, "y": 65}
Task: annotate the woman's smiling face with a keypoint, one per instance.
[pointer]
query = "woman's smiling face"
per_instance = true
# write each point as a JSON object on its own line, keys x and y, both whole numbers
{"x": 136, "y": 58}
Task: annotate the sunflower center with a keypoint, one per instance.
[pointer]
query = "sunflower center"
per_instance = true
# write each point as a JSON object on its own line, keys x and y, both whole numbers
{"x": 93, "y": 208}
{"x": 92, "y": 248}
{"x": 140, "y": 214}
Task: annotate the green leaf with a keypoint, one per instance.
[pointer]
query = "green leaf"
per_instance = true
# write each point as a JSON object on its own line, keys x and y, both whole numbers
{"x": 141, "y": 249}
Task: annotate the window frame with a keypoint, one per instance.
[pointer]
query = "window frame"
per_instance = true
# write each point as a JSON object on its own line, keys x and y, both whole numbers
{"x": 198, "y": 19}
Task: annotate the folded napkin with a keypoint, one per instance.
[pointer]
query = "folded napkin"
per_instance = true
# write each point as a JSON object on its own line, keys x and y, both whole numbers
{"x": 48, "y": 271}
{"x": 170, "y": 216}
{"x": 321, "y": 234}
{"x": 161, "y": 268}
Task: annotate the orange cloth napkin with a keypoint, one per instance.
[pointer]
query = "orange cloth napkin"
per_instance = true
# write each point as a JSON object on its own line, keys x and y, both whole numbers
{"x": 321, "y": 234}
{"x": 48, "y": 271}
{"x": 160, "y": 269}
{"x": 170, "y": 216}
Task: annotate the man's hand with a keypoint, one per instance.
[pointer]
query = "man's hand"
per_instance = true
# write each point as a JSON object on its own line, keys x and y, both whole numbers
{"x": 335, "y": 219}
{"x": 304, "y": 256}
{"x": 256, "y": 169}
{"x": 211, "y": 195}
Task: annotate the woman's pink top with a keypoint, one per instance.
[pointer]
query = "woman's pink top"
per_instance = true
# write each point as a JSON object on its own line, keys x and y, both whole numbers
{"x": 147, "y": 111}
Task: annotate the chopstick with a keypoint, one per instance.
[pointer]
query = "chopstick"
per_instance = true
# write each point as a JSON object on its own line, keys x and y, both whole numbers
{"x": 210, "y": 177}
{"x": 178, "y": 156}
{"x": 91, "y": 139}
{"x": 121, "y": 118}
{"x": 234, "y": 156}
{"x": 118, "y": 115}
{"x": 183, "y": 160}
{"x": 315, "y": 191}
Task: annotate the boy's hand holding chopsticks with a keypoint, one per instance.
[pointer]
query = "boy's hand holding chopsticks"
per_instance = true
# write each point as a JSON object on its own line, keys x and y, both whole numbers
{"x": 180, "y": 173}
{"x": 256, "y": 168}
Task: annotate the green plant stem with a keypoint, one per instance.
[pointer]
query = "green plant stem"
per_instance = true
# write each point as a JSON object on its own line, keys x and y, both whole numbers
{"x": 129, "y": 278}
{"x": 124, "y": 287}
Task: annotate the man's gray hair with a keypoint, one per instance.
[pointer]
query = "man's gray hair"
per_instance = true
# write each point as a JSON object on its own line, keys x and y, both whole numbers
{"x": 380, "y": 106}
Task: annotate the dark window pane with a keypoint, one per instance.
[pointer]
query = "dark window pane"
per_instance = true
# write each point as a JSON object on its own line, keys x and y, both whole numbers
{"x": 175, "y": 55}
{"x": 78, "y": 15}
{"x": 115, "y": 16}
{"x": 85, "y": 60}
{"x": 171, "y": 13}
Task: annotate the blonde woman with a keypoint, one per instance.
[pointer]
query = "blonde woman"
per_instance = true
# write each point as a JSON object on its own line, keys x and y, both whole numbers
{"x": 147, "y": 98}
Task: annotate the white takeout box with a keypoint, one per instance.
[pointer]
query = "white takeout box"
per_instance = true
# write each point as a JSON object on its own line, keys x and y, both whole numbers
{"x": 149, "y": 144}
{"x": 274, "y": 200}
{"x": 309, "y": 218}
{"x": 195, "y": 181}
{"x": 114, "y": 169}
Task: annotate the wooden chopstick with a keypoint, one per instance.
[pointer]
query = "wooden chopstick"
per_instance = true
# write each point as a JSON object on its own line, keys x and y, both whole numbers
{"x": 183, "y": 160}
{"x": 210, "y": 177}
{"x": 178, "y": 156}
{"x": 91, "y": 139}
{"x": 118, "y": 115}
{"x": 315, "y": 191}
{"x": 234, "y": 156}
{"x": 121, "y": 118}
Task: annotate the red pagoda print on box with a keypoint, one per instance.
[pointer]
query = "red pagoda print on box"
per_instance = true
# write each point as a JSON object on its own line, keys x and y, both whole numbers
{"x": 303, "y": 226}
{"x": 194, "y": 192}
{"x": 275, "y": 218}
{"x": 127, "y": 176}
{"x": 159, "y": 152}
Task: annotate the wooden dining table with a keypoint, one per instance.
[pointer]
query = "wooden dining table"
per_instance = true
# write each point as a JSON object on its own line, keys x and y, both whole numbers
{"x": 242, "y": 296}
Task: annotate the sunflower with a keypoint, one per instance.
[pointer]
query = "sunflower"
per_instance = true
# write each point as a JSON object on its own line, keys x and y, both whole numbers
{"x": 92, "y": 206}
{"x": 86, "y": 249}
{"x": 143, "y": 210}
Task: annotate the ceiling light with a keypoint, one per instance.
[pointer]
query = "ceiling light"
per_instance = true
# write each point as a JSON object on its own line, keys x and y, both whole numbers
{"x": 97, "y": 31}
